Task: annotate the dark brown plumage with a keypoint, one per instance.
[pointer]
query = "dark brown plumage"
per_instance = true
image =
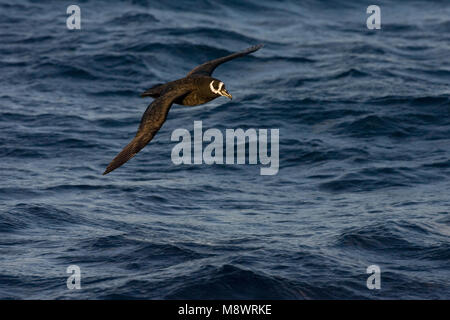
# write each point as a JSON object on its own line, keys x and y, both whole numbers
{"x": 151, "y": 122}
{"x": 198, "y": 87}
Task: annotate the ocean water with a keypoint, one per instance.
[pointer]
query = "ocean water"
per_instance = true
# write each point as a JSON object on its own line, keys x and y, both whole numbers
{"x": 364, "y": 151}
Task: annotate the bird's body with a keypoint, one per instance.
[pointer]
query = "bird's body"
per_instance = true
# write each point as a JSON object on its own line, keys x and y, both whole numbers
{"x": 198, "y": 87}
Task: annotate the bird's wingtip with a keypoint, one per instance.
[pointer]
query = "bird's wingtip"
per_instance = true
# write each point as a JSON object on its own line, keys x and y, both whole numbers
{"x": 256, "y": 47}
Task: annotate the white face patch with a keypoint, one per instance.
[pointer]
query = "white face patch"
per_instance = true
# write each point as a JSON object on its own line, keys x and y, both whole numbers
{"x": 216, "y": 91}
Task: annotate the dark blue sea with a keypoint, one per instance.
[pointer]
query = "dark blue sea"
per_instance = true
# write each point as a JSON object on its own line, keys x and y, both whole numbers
{"x": 364, "y": 151}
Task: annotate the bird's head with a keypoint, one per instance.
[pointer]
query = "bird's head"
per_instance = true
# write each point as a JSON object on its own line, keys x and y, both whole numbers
{"x": 218, "y": 88}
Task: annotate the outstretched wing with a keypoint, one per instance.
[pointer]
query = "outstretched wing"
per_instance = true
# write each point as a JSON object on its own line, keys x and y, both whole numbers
{"x": 151, "y": 122}
{"x": 208, "y": 67}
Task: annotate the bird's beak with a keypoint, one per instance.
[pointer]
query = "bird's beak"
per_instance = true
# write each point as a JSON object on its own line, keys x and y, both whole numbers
{"x": 225, "y": 93}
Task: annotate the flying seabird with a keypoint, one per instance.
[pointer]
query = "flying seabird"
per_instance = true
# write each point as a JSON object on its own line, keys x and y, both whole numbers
{"x": 198, "y": 87}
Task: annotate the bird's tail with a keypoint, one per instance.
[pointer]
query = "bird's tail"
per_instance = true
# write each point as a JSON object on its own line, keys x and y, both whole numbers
{"x": 154, "y": 92}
